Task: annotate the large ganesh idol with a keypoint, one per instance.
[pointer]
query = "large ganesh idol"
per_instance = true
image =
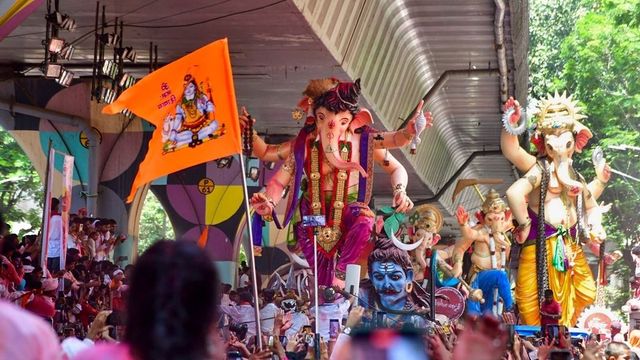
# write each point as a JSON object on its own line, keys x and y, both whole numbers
{"x": 555, "y": 208}
{"x": 331, "y": 161}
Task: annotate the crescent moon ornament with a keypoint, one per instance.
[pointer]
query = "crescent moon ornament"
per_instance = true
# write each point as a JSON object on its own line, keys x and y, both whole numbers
{"x": 402, "y": 246}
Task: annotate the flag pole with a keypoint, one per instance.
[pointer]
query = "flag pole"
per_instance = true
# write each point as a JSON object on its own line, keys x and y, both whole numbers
{"x": 251, "y": 252}
{"x": 44, "y": 227}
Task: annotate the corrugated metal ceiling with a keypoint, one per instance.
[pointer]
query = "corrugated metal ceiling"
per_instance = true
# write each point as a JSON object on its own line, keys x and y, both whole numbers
{"x": 398, "y": 47}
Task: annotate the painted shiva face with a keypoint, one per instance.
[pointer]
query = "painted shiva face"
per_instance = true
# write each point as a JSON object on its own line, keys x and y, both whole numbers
{"x": 190, "y": 91}
{"x": 390, "y": 281}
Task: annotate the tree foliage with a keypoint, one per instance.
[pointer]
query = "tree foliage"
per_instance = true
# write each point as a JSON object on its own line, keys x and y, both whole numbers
{"x": 154, "y": 223}
{"x": 550, "y": 22}
{"x": 20, "y": 187}
{"x": 602, "y": 58}
{"x": 596, "y": 58}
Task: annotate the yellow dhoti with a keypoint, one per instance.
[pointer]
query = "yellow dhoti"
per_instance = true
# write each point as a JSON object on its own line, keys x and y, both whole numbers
{"x": 574, "y": 289}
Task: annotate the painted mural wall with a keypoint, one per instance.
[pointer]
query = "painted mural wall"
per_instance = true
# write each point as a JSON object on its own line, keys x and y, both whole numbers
{"x": 205, "y": 195}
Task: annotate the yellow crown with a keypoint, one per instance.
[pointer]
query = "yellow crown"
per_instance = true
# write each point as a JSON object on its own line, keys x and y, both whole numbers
{"x": 557, "y": 112}
{"x": 428, "y": 218}
{"x": 494, "y": 203}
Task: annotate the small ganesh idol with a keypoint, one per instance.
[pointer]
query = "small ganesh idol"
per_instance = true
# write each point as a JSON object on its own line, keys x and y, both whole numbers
{"x": 491, "y": 247}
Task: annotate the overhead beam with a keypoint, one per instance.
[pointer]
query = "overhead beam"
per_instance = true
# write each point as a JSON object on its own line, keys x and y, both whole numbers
{"x": 455, "y": 175}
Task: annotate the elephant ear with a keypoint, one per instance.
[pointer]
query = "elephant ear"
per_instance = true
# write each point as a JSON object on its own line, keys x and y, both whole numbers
{"x": 538, "y": 141}
{"x": 507, "y": 215}
{"x": 436, "y": 238}
{"x": 480, "y": 217}
{"x": 362, "y": 118}
{"x": 582, "y": 135}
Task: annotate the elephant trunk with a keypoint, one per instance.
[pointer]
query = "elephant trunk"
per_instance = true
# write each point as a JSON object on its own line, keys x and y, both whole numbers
{"x": 564, "y": 170}
{"x": 333, "y": 156}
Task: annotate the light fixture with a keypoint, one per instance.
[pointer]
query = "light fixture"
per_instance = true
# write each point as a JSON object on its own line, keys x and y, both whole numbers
{"x": 127, "y": 81}
{"x": 68, "y": 23}
{"x": 126, "y": 112}
{"x": 128, "y": 53}
{"x": 107, "y": 95}
{"x": 64, "y": 22}
{"x": 55, "y": 45}
{"x": 67, "y": 51}
{"x": 224, "y": 162}
{"x": 52, "y": 70}
{"x": 110, "y": 69}
{"x": 110, "y": 39}
{"x": 65, "y": 78}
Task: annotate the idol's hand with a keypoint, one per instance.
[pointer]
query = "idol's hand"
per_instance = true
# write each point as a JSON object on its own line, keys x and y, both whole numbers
{"x": 522, "y": 233}
{"x": 462, "y": 215}
{"x": 401, "y": 202}
{"x": 262, "y": 204}
{"x": 411, "y": 128}
{"x": 512, "y": 103}
{"x": 603, "y": 172}
{"x": 245, "y": 119}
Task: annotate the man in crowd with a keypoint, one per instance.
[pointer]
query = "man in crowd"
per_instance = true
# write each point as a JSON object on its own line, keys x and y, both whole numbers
{"x": 243, "y": 313}
{"x": 55, "y": 237}
{"x": 244, "y": 278}
{"x": 268, "y": 311}
{"x": 617, "y": 351}
{"x": 550, "y": 310}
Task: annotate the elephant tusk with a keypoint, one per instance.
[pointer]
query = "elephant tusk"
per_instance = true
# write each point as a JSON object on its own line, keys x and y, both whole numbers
{"x": 402, "y": 246}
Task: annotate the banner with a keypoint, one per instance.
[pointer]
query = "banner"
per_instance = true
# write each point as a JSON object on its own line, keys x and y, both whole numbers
{"x": 65, "y": 205}
{"x": 192, "y": 104}
{"x": 63, "y": 190}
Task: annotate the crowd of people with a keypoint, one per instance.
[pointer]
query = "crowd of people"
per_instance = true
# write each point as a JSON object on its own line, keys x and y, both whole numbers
{"x": 81, "y": 297}
{"x": 94, "y": 310}
{"x": 288, "y": 323}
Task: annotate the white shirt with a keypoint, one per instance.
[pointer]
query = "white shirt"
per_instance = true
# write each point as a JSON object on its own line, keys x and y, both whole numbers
{"x": 268, "y": 313}
{"x": 71, "y": 242}
{"x": 226, "y": 301}
{"x": 244, "y": 280}
{"x": 242, "y": 314}
{"x": 298, "y": 321}
{"x": 330, "y": 311}
{"x": 55, "y": 236}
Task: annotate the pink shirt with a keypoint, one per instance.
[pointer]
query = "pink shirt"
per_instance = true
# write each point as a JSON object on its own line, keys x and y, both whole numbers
{"x": 26, "y": 336}
{"x": 106, "y": 351}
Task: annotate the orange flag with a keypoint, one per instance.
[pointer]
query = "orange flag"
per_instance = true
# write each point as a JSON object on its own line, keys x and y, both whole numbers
{"x": 192, "y": 104}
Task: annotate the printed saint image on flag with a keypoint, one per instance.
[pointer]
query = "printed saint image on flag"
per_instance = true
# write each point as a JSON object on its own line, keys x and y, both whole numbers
{"x": 192, "y": 104}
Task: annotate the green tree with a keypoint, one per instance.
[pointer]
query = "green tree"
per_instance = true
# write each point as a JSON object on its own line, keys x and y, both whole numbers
{"x": 550, "y": 22}
{"x": 20, "y": 187}
{"x": 601, "y": 60}
{"x": 154, "y": 223}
